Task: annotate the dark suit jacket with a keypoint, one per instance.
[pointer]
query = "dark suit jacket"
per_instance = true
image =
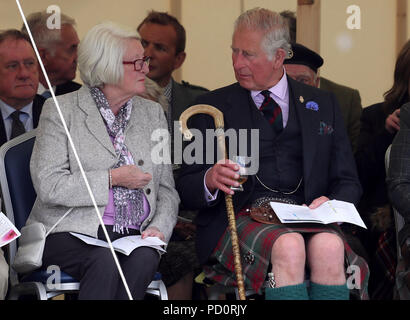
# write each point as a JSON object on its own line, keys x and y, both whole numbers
{"x": 350, "y": 105}
{"x": 183, "y": 96}
{"x": 374, "y": 140}
{"x": 328, "y": 164}
{"x": 67, "y": 87}
{"x": 398, "y": 179}
{"x": 37, "y": 106}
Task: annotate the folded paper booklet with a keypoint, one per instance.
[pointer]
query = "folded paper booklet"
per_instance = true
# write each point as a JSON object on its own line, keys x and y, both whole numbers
{"x": 332, "y": 211}
{"x": 8, "y": 232}
{"x": 126, "y": 244}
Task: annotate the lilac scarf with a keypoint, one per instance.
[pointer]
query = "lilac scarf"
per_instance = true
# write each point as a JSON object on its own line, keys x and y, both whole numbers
{"x": 128, "y": 203}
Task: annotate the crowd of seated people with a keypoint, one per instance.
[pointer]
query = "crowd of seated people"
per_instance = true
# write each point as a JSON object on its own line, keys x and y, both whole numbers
{"x": 129, "y": 91}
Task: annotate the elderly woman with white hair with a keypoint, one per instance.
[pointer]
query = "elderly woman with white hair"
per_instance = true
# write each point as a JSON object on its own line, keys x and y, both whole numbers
{"x": 111, "y": 129}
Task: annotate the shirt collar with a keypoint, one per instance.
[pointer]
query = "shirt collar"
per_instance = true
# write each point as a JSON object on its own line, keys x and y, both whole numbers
{"x": 278, "y": 90}
{"x": 7, "y": 110}
{"x": 41, "y": 89}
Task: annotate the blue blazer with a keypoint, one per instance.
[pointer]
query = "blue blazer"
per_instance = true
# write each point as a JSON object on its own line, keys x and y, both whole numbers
{"x": 328, "y": 164}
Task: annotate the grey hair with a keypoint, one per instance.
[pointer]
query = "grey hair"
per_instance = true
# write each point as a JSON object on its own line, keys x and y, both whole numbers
{"x": 45, "y": 37}
{"x": 13, "y": 34}
{"x": 274, "y": 27}
{"x": 101, "y": 52}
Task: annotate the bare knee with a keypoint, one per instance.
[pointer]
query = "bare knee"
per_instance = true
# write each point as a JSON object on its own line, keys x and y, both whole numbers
{"x": 288, "y": 259}
{"x": 289, "y": 249}
{"x": 326, "y": 258}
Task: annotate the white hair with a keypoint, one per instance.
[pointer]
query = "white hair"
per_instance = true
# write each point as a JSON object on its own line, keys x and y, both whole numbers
{"x": 274, "y": 27}
{"x": 101, "y": 52}
{"x": 45, "y": 37}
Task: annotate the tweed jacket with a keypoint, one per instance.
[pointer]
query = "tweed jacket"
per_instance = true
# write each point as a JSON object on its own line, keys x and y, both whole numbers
{"x": 398, "y": 178}
{"x": 56, "y": 174}
{"x": 67, "y": 87}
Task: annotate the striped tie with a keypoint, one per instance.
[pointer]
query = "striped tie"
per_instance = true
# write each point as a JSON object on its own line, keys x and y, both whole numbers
{"x": 272, "y": 111}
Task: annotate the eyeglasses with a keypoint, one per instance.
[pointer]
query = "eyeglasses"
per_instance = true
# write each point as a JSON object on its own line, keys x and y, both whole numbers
{"x": 139, "y": 63}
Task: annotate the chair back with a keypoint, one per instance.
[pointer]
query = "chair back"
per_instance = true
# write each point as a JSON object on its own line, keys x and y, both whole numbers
{"x": 17, "y": 189}
{"x": 15, "y": 179}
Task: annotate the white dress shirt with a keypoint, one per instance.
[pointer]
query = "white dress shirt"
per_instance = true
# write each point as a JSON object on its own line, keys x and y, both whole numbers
{"x": 26, "y": 117}
{"x": 280, "y": 93}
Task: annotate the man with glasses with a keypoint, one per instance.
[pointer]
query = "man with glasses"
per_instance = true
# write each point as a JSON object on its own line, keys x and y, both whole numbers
{"x": 19, "y": 104}
{"x": 20, "y": 107}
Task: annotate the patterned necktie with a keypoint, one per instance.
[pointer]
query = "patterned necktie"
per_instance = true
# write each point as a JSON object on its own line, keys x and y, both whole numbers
{"x": 272, "y": 111}
{"x": 17, "y": 127}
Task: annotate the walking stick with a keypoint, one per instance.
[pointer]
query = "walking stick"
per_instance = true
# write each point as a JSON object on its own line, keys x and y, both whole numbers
{"x": 219, "y": 125}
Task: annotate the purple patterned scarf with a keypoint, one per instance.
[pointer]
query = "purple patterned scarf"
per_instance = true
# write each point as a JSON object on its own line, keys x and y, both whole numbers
{"x": 128, "y": 204}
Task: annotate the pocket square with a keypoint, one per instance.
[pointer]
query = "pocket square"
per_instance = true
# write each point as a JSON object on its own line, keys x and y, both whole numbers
{"x": 312, "y": 105}
{"x": 325, "y": 129}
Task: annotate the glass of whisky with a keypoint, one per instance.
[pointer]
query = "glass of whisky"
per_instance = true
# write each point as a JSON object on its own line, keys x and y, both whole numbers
{"x": 244, "y": 163}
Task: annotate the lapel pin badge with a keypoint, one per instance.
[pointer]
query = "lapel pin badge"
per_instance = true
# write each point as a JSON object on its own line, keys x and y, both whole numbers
{"x": 301, "y": 99}
{"x": 312, "y": 105}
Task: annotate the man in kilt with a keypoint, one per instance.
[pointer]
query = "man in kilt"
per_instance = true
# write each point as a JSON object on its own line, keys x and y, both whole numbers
{"x": 304, "y": 157}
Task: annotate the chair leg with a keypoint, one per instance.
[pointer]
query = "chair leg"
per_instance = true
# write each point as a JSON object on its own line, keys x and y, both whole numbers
{"x": 28, "y": 288}
{"x": 158, "y": 288}
{"x": 163, "y": 291}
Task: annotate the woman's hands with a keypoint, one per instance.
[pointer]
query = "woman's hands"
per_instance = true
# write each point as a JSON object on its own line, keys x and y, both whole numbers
{"x": 130, "y": 177}
{"x": 393, "y": 122}
{"x": 152, "y": 232}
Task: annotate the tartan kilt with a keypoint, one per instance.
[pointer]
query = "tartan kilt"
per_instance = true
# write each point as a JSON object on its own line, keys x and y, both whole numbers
{"x": 256, "y": 241}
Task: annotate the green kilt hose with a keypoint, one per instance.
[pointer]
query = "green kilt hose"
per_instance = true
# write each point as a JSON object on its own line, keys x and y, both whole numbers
{"x": 256, "y": 240}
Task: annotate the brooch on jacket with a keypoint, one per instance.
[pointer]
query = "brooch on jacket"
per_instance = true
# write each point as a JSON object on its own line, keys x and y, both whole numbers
{"x": 312, "y": 105}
